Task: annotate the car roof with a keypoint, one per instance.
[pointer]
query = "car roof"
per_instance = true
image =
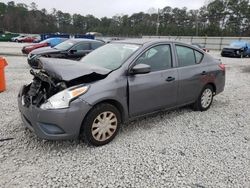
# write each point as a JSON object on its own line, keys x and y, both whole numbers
{"x": 84, "y": 40}
{"x": 148, "y": 41}
{"x": 141, "y": 41}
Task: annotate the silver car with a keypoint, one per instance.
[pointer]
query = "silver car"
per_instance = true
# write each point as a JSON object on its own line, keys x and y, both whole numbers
{"x": 121, "y": 80}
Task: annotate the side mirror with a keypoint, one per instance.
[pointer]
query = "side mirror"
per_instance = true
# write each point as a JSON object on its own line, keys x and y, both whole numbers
{"x": 140, "y": 69}
{"x": 72, "y": 51}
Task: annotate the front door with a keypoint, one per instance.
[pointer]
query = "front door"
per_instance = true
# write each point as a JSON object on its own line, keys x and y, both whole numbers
{"x": 157, "y": 89}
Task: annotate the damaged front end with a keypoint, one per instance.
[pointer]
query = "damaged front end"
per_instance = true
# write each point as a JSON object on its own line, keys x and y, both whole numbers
{"x": 41, "y": 89}
{"x": 59, "y": 82}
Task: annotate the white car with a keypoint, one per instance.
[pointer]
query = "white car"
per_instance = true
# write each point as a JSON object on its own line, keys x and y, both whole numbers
{"x": 15, "y": 39}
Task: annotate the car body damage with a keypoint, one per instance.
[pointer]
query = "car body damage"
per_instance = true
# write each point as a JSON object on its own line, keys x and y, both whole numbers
{"x": 67, "y": 70}
{"x": 115, "y": 83}
{"x": 236, "y": 49}
{"x": 56, "y": 75}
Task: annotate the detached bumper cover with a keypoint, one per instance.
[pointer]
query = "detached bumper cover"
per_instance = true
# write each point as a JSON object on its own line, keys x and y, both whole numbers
{"x": 61, "y": 124}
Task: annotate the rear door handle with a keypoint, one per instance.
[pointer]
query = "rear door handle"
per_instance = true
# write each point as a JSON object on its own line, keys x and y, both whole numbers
{"x": 204, "y": 73}
{"x": 170, "y": 79}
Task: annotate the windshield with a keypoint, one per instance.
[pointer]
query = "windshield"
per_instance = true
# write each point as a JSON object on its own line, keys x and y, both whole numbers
{"x": 65, "y": 45}
{"x": 110, "y": 56}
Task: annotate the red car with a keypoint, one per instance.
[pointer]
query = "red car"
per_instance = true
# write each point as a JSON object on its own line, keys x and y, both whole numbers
{"x": 29, "y": 48}
{"x": 48, "y": 42}
{"x": 27, "y": 39}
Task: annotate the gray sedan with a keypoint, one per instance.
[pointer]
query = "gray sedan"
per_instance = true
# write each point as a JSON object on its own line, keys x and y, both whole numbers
{"x": 115, "y": 83}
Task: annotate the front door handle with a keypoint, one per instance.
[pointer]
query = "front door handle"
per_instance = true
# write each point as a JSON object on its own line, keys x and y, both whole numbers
{"x": 170, "y": 79}
{"x": 204, "y": 73}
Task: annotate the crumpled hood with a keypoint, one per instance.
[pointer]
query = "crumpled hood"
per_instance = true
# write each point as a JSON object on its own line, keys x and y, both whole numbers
{"x": 68, "y": 70}
{"x": 45, "y": 50}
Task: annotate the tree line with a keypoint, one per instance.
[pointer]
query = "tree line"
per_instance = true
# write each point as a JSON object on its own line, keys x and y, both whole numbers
{"x": 215, "y": 18}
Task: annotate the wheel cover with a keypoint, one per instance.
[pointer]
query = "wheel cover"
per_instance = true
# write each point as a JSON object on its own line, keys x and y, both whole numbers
{"x": 104, "y": 126}
{"x": 206, "y": 98}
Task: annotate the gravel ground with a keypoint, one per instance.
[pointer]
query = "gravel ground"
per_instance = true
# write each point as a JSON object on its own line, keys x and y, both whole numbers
{"x": 12, "y": 48}
{"x": 179, "y": 148}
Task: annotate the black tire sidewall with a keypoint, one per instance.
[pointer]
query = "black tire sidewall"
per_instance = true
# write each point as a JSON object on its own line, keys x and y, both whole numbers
{"x": 88, "y": 121}
{"x": 198, "y": 102}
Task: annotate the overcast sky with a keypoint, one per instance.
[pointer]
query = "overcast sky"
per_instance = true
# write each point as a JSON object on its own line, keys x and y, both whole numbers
{"x": 109, "y": 8}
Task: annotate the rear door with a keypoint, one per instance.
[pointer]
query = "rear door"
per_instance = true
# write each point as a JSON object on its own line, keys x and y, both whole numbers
{"x": 190, "y": 73}
{"x": 157, "y": 89}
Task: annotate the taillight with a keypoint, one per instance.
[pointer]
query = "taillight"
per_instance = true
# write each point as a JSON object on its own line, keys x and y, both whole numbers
{"x": 222, "y": 67}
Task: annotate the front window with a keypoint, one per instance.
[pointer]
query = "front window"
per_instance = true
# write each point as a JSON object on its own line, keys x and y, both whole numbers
{"x": 81, "y": 47}
{"x": 158, "y": 57}
{"x": 65, "y": 45}
{"x": 110, "y": 56}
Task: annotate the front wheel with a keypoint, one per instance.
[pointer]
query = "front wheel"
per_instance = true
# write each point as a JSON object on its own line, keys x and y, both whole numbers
{"x": 241, "y": 55}
{"x": 205, "y": 99}
{"x": 101, "y": 125}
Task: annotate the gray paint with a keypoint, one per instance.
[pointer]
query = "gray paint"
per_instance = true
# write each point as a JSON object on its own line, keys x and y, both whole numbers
{"x": 136, "y": 94}
{"x": 67, "y": 70}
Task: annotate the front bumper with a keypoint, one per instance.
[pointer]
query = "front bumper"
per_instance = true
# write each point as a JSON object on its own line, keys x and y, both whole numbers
{"x": 226, "y": 53}
{"x": 25, "y": 51}
{"x": 60, "y": 124}
{"x": 33, "y": 62}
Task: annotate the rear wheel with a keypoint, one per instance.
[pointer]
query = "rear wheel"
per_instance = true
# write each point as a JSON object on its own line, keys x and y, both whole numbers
{"x": 205, "y": 99}
{"x": 101, "y": 124}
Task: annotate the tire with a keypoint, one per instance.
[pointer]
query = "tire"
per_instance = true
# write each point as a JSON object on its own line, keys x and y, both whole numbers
{"x": 241, "y": 55}
{"x": 206, "y": 95}
{"x": 97, "y": 130}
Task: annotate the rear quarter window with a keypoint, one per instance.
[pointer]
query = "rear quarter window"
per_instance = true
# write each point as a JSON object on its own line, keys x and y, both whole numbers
{"x": 198, "y": 56}
{"x": 188, "y": 56}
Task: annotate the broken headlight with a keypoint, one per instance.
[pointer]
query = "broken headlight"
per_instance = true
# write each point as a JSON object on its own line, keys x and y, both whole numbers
{"x": 63, "y": 98}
